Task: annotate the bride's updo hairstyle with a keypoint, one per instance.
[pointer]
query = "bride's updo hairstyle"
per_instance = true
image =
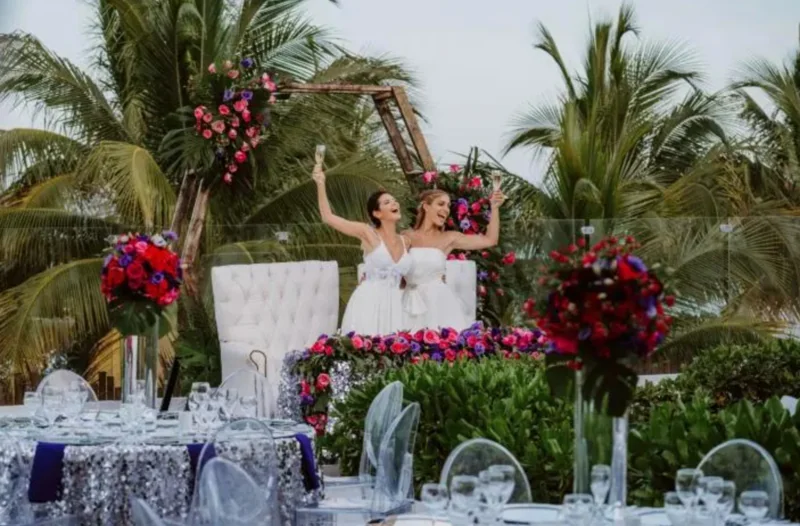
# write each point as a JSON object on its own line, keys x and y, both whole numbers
{"x": 425, "y": 198}
{"x": 373, "y": 205}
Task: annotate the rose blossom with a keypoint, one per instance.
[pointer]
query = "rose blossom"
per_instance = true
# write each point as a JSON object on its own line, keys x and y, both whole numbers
{"x": 358, "y": 342}
{"x": 198, "y": 112}
{"x": 234, "y": 73}
{"x": 240, "y": 157}
{"x": 224, "y": 109}
{"x": 232, "y": 133}
{"x": 323, "y": 381}
{"x": 212, "y": 68}
{"x": 218, "y": 126}
{"x": 207, "y": 118}
{"x": 240, "y": 105}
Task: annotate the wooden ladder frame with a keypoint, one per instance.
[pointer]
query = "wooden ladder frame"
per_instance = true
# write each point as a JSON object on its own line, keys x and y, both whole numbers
{"x": 383, "y": 97}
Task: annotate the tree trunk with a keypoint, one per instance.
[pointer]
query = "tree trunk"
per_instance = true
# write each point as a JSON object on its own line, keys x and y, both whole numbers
{"x": 192, "y": 242}
{"x": 185, "y": 197}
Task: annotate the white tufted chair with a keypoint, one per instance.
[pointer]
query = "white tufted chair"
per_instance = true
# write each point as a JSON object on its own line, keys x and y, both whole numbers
{"x": 462, "y": 277}
{"x": 274, "y": 308}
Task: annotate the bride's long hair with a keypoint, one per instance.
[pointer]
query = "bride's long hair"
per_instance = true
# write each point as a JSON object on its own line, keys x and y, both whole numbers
{"x": 425, "y": 198}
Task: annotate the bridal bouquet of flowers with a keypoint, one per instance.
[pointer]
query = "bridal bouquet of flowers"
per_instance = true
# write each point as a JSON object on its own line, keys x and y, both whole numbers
{"x": 602, "y": 309}
{"x": 235, "y": 122}
{"x": 141, "y": 276}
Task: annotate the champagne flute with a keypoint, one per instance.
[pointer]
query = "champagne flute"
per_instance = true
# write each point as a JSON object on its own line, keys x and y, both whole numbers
{"x": 600, "y": 483}
{"x": 497, "y": 179}
{"x": 319, "y": 155}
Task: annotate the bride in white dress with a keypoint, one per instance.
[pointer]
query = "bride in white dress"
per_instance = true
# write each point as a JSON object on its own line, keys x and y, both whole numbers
{"x": 375, "y": 307}
{"x": 427, "y": 300}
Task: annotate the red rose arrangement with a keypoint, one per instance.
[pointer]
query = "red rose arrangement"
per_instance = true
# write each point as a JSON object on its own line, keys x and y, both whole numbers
{"x": 602, "y": 309}
{"x": 235, "y": 124}
{"x": 140, "y": 278}
{"x": 470, "y": 213}
{"x": 376, "y": 353}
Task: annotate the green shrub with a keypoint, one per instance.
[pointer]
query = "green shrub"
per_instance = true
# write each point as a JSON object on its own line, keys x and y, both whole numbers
{"x": 729, "y": 373}
{"x": 509, "y": 402}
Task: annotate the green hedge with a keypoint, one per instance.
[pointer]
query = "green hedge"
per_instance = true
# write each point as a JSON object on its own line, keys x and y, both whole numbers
{"x": 509, "y": 402}
{"x": 729, "y": 373}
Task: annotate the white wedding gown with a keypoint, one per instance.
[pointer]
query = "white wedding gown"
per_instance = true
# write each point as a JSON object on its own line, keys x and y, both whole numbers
{"x": 428, "y": 302}
{"x": 376, "y": 306}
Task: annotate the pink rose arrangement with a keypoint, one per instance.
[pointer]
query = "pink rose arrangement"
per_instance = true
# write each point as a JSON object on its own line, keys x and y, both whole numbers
{"x": 375, "y": 353}
{"x": 235, "y": 121}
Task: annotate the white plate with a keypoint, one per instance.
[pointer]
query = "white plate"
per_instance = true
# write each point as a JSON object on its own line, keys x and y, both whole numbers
{"x": 530, "y": 513}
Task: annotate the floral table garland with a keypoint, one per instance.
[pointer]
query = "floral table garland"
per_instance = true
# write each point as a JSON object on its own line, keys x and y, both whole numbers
{"x": 314, "y": 365}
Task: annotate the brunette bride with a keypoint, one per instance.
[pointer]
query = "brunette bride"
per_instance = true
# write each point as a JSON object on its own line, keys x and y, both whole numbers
{"x": 375, "y": 307}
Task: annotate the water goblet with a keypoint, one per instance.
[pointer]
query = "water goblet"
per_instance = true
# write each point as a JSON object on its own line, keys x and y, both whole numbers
{"x": 74, "y": 400}
{"x": 726, "y": 501}
{"x": 52, "y": 403}
{"x": 686, "y": 485}
{"x": 248, "y": 407}
{"x": 710, "y": 491}
{"x": 504, "y": 477}
{"x": 754, "y": 505}
{"x": 674, "y": 508}
{"x": 435, "y": 497}
{"x": 464, "y": 497}
{"x": 600, "y": 483}
{"x": 577, "y": 509}
{"x": 216, "y": 403}
{"x": 231, "y": 400}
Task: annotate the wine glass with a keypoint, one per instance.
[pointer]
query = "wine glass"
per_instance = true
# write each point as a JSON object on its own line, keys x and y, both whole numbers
{"x": 435, "y": 497}
{"x": 198, "y": 402}
{"x": 216, "y": 403}
{"x": 52, "y": 403}
{"x": 600, "y": 483}
{"x": 727, "y": 500}
{"x": 231, "y": 399}
{"x": 577, "y": 508}
{"x": 497, "y": 180}
{"x": 686, "y": 485}
{"x": 464, "y": 493}
{"x": 754, "y": 505}
{"x": 504, "y": 477}
{"x": 32, "y": 402}
{"x": 674, "y": 508}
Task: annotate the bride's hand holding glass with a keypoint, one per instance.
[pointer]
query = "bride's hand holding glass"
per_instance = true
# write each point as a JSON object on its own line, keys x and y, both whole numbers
{"x": 497, "y": 199}
{"x": 318, "y": 175}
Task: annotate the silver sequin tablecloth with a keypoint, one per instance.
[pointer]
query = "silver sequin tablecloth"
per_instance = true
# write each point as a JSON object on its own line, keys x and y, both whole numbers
{"x": 97, "y": 479}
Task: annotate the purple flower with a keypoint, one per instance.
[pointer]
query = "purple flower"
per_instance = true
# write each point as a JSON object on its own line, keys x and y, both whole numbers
{"x": 157, "y": 278}
{"x": 445, "y": 333}
{"x": 436, "y": 357}
{"x": 483, "y": 275}
{"x": 125, "y": 260}
{"x": 415, "y": 348}
{"x": 169, "y": 235}
{"x": 247, "y": 63}
{"x": 306, "y": 354}
{"x": 480, "y": 349}
{"x": 247, "y": 94}
{"x": 463, "y": 201}
{"x": 487, "y": 215}
{"x": 306, "y": 400}
{"x": 228, "y": 95}
{"x": 220, "y": 154}
{"x": 585, "y": 333}
{"x": 637, "y": 264}
{"x": 477, "y": 326}
{"x": 465, "y": 224}
{"x": 351, "y": 334}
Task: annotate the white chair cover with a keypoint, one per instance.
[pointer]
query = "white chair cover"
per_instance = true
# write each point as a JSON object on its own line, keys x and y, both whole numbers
{"x": 228, "y": 496}
{"x": 274, "y": 308}
{"x": 62, "y": 378}
{"x": 476, "y": 455}
{"x": 750, "y": 467}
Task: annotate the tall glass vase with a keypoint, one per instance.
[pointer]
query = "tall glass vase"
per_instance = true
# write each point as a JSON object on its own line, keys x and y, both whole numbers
{"x": 619, "y": 463}
{"x": 580, "y": 480}
{"x": 140, "y": 363}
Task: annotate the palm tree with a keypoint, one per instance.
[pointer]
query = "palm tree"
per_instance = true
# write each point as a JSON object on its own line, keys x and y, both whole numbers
{"x": 634, "y": 146}
{"x": 114, "y": 155}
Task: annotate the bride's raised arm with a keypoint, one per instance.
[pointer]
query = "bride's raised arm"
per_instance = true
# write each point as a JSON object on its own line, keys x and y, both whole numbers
{"x": 461, "y": 241}
{"x": 345, "y": 226}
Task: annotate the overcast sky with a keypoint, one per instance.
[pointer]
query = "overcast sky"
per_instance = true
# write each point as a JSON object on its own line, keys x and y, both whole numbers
{"x": 475, "y": 58}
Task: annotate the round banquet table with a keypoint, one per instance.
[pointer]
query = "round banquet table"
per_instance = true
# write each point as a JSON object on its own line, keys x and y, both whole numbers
{"x": 90, "y": 474}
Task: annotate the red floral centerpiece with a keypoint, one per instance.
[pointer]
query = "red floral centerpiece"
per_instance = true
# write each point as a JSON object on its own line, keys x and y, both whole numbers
{"x": 140, "y": 278}
{"x": 234, "y": 123}
{"x": 603, "y": 310}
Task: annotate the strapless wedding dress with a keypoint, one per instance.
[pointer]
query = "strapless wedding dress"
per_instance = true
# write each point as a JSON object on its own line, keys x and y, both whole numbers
{"x": 375, "y": 307}
{"x": 428, "y": 302}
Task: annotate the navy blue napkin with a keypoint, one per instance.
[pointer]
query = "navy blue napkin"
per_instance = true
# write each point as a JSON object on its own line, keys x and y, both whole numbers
{"x": 48, "y": 464}
{"x": 310, "y": 477}
{"x": 194, "y": 456}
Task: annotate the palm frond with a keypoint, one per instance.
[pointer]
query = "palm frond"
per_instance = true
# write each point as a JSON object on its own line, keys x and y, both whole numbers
{"x": 23, "y": 148}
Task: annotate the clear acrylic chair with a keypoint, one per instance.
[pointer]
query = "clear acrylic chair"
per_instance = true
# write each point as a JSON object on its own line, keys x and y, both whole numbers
{"x": 228, "y": 496}
{"x": 249, "y": 444}
{"x": 250, "y": 383}
{"x": 476, "y": 455}
{"x": 62, "y": 378}
{"x": 750, "y": 467}
{"x": 383, "y": 410}
{"x": 391, "y": 492}
{"x": 143, "y": 515}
